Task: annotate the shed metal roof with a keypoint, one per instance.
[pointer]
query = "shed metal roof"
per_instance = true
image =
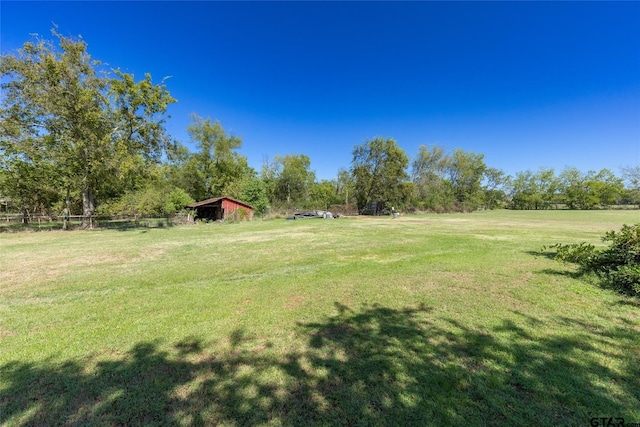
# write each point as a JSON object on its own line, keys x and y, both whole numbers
{"x": 215, "y": 200}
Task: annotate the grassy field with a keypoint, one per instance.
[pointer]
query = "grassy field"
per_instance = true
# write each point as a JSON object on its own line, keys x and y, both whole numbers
{"x": 424, "y": 320}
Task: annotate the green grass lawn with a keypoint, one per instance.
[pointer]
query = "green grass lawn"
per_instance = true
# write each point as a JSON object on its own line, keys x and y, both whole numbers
{"x": 424, "y": 320}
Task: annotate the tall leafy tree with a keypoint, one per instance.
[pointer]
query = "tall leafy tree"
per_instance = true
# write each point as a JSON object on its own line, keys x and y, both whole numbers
{"x": 631, "y": 179}
{"x": 93, "y": 124}
{"x": 495, "y": 184}
{"x": 547, "y": 186}
{"x": 428, "y": 173}
{"x": 293, "y": 178}
{"x": 465, "y": 172}
{"x": 631, "y": 176}
{"x": 535, "y": 190}
{"x": 345, "y": 187}
{"x": 575, "y": 188}
{"x": 606, "y": 187}
{"x": 26, "y": 176}
{"x": 522, "y": 191}
{"x": 173, "y": 168}
{"x": 268, "y": 174}
{"x": 323, "y": 194}
{"x": 216, "y": 169}
{"x": 379, "y": 169}
{"x": 254, "y": 192}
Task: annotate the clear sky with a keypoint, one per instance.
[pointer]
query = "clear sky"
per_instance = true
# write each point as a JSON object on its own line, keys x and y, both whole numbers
{"x": 528, "y": 84}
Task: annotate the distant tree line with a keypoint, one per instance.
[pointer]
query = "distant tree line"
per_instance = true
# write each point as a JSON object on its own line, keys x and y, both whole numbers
{"x": 76, "y": 138}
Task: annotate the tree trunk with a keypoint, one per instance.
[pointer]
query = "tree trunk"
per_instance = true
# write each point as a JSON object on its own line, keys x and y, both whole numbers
{"x": 67, "y": 212}
{"x": 87, "y": 207}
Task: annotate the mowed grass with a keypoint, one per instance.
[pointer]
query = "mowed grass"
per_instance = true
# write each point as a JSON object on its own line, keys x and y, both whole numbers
{"x": 423, "y": 320}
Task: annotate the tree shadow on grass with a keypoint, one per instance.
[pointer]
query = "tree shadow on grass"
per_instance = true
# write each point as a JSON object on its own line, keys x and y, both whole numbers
{"x": 543, "y": 253}
{"x": 373, "y": 366}
{"x": 563, "y": 273}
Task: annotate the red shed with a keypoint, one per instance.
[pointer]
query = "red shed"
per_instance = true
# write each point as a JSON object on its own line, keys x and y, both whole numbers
{"x": 220, "y": 208}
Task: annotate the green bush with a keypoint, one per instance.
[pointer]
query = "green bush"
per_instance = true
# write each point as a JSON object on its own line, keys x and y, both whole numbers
{"x": 176, "y": 201}
{"x": 147, "y": 202}
{"x": 618, "y": 265}
{"x": 238, "y": 215}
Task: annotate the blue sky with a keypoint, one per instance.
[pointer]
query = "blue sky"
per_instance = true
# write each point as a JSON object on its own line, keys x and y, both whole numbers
{"x": 528, "y": 84}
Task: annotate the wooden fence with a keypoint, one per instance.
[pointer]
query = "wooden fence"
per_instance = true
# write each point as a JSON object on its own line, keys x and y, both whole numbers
{"x": 48, "y": 222}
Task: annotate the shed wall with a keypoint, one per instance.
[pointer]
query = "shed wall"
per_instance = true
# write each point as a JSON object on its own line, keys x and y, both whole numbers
{"x": 229, "y": 206}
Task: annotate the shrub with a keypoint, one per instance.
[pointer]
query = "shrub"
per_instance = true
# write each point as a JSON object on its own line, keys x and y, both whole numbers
{"x": 176, "y": 201}
{"x": 238, "y": 215}
{"x": 618, "y": 265}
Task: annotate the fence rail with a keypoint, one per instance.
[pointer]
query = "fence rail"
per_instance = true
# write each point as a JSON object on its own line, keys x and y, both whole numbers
{"x": 53, "y": 222}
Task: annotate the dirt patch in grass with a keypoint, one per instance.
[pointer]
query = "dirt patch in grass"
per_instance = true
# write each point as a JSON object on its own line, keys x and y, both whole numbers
{"x": 35, "y": 271}
{"x": 17, "y": 272}
{"x": 6, "y": 333}
{"x": 294, "y": 301}
{"x": 242, "y": 307}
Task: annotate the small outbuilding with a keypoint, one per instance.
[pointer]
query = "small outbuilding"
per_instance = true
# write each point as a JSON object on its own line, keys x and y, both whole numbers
{"x": 220, "y": 208}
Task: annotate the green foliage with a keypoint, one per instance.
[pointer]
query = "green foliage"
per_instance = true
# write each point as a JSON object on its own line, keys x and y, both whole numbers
{"x": 345, "y": 187}
{"x": 433, "y": 190}
{"x": 176, "y": 201}
{"x": 293, "y": 178}
{"x": 215, "y": 169}
{"x": 577, "y": 190}
{"x": 495, "y": 182}
{"x": 465, "y": 172}
{"x": 94, "y": 126}
{"x": 379, "y": 168}
{"x": 323, "y": 194}
{"x": 590, "y": 190}
{"x": 240, "y": 214}
{"x": 577, "y": 253}
{"x": 631, "y": 178}
{"x": 618, "y": 265}
{"x": 254, "y": 192}
{"x": 27, "y": 177}
{"x": 539, "y": 190}
{"x": 152, "y": 201}
{"x": 459, "y": 181}
{"x": 606, "y": 187}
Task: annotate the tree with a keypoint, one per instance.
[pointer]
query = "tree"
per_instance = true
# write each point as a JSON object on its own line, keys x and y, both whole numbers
{"x": 323, "y": 194}
{"x": 293, "y": 178}
{"x": 176, "y": 201}
{"x": 345, "y": 186}
{"x": 631, "y": 177}
{"x": 26, "y": 176}
{"x": 254, "y": 192}
{"x": 547, "y": 186}
{"x": 606, "y": 187}
{"x": 618, "y": 264}
{"x": 428, "y": 173}
{"x": 92, "y": 124}
{"x": 537, "y": 190}
{"x": 576, "y": 189}
{"x": 378, "y": 167}
{"x": 494, "y": 186}
{"x": 174, "y": 168}
{"x": 215, "y": 169}
{"x": 522, "y": 191}
{"x": 149, "y": 195}
{"x": 465, "y": 172}
{"x": 268, "y": 174}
